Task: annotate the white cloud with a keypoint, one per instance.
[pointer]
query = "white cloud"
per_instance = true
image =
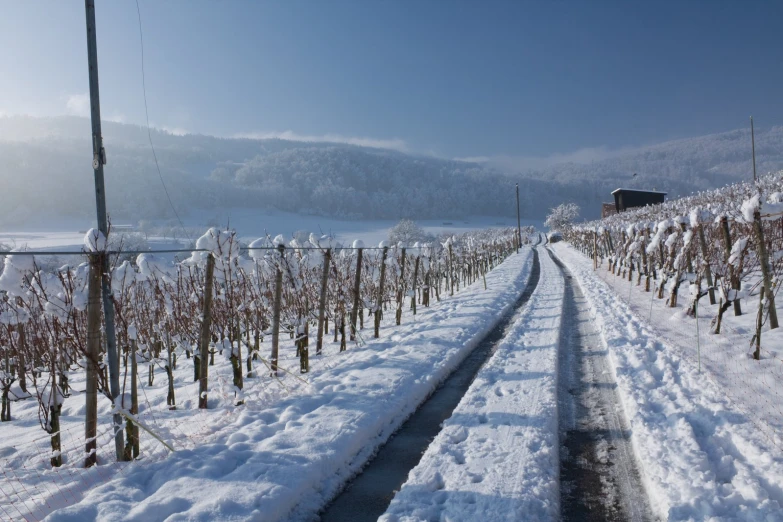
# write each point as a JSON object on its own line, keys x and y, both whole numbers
{"x": 176, "y": 131}
{"x": 582, "y": 156}
{"x": 78, "y": 105}
{"x": 393, "y": 144}
{"x": 116, "y": 117}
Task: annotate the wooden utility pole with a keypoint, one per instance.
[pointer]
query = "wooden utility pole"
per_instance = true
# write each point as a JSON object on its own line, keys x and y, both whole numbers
{"x": 519, "y": 224}
{"x": 753, "y": 147}
{"x": 98, "y": 161}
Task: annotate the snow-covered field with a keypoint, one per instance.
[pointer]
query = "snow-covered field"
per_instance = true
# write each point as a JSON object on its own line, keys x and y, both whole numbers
{"x": 497, "y": 456}
{"x": 283, "y": 454}
{"x": 250, "y": 224}
{"x": 703, "y": 454}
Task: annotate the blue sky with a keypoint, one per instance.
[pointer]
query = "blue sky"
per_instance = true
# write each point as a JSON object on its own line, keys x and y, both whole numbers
{"x": 450, "y": 78}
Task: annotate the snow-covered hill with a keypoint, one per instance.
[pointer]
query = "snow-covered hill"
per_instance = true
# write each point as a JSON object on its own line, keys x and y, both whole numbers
{"x": 45, "y": 167}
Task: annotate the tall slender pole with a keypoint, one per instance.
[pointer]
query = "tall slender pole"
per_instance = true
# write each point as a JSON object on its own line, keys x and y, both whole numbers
{"x": 98, "y": 161}
{"x": 519, "y": 226}
{"x": 753, "y": 147}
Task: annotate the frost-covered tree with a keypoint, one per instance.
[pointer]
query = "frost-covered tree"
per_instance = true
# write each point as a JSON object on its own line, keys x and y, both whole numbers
{"x": 407, "y": 231}
{"x": 561, "y": 217}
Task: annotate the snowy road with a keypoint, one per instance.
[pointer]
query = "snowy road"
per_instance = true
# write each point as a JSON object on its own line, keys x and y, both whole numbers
{"x": 496, "y": 458}
{"x": 369, "y": 494}
{"x": 599, "y": 477}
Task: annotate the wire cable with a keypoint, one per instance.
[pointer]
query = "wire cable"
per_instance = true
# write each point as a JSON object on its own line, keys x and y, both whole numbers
{"x": 149, "y": 132}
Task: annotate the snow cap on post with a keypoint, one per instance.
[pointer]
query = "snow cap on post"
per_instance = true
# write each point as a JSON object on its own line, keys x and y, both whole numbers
{"x": 358, "y": 243}
{"x": 94, "y": 241}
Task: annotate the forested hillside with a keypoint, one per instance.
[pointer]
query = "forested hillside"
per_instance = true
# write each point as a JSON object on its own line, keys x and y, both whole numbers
{"x": 45, "y": 162}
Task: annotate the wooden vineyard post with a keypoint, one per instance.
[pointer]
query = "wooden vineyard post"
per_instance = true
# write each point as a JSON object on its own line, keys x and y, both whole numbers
{"x": 595, "y": 250}
{"x": 54, "y": 407}
{"x": 707, "y": 270}
{"x": 733, "y": 278}
{"x": 205, "y": 336}
{"x": 132, "y": 444}
{"x": 276, "y": 310}
{"x": 236, "y": 366}
{"x": 765, "y": 271}
{"x": 401, "y": 289}
{"x": 759, "y": 323}
{"x": 357, "y": 282}
{"x": 322, "y": 301}
{"x": 415, "y": 277}
{"x": 378, "y": 311}
{"x": 451, "y": 270}
{"x": 93, "y": 351}
{"x": 170, "y": 399}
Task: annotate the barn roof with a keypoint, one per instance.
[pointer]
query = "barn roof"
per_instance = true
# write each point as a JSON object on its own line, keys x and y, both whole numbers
{"x": 638, "y": 190}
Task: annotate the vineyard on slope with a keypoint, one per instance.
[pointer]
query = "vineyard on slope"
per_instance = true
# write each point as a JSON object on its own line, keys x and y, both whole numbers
{"x": 710, "y": 265}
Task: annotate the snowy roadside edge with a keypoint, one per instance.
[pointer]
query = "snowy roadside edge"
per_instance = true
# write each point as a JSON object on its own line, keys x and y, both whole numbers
{"x": 686, "y": 434}
{"x": 524, "y": 465}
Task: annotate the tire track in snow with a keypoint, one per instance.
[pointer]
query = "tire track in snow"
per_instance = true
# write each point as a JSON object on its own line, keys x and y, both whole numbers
{"x": 599, "y": 476}
{"x": 368, "y": 495}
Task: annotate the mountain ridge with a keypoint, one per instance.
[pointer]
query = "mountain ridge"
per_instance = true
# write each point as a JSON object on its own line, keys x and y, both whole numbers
{"x": 45, "y": 163}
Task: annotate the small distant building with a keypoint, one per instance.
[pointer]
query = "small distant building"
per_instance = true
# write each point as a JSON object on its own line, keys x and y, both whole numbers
{"x": 632, "y": 198}
{"x": 608, "y": 209}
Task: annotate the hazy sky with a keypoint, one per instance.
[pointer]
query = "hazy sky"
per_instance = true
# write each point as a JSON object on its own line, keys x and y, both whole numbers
{"x": 455, "y": 79}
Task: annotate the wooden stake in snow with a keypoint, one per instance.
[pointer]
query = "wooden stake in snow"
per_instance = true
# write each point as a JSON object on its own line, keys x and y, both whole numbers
{"x": 205, "y": 337}
{"x": 705, "y": 260}
{"x": 765, "y": 270}
{"x": 733, "y": 278}
{"x": 401, "y": 289}
{"x": 322, "y": 301}
{"x": 357, "y": 285}
{"x": 132, "y": 430}
{"x": 276, "y": 310}
{"x": 415, "y": 277}
{"x": 93, "y": 352}
{"x": 378, "y": 311}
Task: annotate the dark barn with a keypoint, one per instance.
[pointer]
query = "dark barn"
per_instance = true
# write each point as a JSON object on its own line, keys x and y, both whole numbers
{"x": 630, "y": 198}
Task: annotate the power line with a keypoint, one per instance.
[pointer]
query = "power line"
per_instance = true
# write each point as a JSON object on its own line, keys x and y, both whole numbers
{"x": 149, "y": 132}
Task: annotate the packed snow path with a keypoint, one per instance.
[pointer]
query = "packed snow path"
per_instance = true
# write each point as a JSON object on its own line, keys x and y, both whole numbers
{"x": 599, "y": 477}
{"x": 369, "y": 494}
{"x": 496, "y": 458}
